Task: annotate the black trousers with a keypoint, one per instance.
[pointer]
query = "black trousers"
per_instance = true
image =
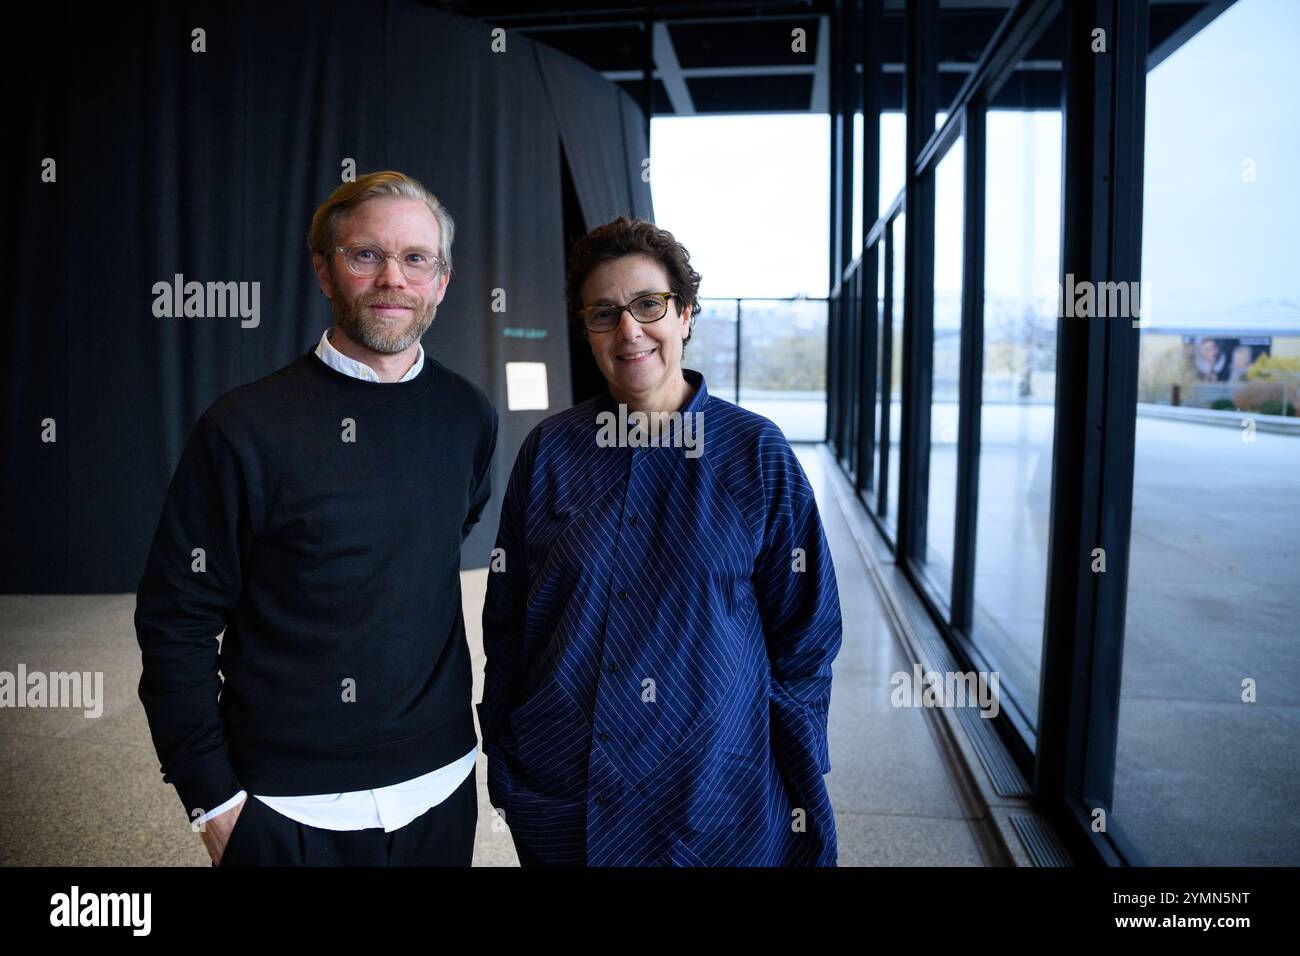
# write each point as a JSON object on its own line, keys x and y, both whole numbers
{"x": 441, "y": 836}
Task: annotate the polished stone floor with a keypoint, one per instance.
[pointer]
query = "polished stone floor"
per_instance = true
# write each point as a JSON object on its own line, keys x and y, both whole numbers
{"x": 77, "y": 791}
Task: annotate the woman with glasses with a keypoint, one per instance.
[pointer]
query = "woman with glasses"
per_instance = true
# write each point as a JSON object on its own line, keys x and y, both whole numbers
{"x": 661, "y": 611}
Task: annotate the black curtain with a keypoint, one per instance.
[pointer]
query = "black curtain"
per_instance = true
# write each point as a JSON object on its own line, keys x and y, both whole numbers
{"x": 608, "y": 178}
{"x": 209, "y": 165}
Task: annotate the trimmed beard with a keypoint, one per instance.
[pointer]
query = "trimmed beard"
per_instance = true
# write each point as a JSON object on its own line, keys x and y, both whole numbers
{"x": 375, "y": 333}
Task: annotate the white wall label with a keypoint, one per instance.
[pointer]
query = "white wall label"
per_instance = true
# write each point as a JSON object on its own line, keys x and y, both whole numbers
{"x": 526, "y": 386}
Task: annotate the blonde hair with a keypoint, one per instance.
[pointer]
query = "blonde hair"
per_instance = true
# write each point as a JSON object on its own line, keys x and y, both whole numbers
{"x": 322, "y": 236}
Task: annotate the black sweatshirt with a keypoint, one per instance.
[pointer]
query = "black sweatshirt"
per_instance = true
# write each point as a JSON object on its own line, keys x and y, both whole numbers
{"x": 330, "y": 512}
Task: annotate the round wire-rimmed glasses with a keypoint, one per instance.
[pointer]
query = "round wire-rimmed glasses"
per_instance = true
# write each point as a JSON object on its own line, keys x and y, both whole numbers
{"x": 366, "y": 260}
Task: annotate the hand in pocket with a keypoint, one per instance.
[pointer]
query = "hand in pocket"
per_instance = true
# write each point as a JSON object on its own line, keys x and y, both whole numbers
{"x": 218, "y": 830}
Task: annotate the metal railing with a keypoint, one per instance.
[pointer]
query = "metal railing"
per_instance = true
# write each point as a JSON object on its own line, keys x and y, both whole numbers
{"x": 767, "y": 354}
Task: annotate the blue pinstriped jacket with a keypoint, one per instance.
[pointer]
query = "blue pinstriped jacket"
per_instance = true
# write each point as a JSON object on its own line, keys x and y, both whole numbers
{"x": 659, "y": 632}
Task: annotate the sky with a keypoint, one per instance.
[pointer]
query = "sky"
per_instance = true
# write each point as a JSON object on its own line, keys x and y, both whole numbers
{"x": 748, "y": 197}
{"x": 1220, "y": 111}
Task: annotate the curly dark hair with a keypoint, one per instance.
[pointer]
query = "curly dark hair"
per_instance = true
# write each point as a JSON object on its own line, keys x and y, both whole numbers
{"x": 625, "y": 237}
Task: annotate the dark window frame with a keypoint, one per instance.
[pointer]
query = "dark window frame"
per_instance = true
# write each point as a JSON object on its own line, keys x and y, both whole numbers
{"x": 1071, "y": 757}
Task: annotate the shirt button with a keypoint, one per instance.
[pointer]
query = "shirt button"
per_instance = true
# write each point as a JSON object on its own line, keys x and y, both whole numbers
{"x": 622, "y": 595}
{"x": 600, "y": 801}
{"x": 633, "y": 522}
{"x": 613, "y": 668}
{"x": 603, "y": 736}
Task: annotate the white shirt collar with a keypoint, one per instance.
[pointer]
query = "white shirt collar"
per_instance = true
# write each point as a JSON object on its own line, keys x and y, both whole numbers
{"x": 336, "y": 360}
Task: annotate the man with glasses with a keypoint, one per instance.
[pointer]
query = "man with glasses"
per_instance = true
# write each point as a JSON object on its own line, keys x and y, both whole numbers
{"x": 317, "y": 517}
